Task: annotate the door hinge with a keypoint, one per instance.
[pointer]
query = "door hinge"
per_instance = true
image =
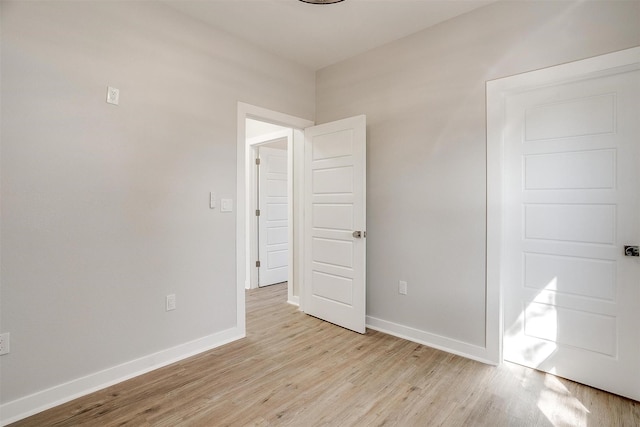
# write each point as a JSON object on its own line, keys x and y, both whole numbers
{"x": 258, "y": 161}
{"x": 257, "y": 212}
{"x": 257, "y": 263}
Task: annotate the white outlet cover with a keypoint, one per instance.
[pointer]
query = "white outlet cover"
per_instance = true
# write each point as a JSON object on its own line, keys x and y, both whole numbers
{"x": 113, "y": 95}
{"x": 171, "y": 302}
{"x": 402, "y": 287}
{"x": 4, "y": 343}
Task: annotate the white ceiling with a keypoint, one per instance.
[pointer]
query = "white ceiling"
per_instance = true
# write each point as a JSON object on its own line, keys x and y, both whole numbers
{"x": 320, "y": 35}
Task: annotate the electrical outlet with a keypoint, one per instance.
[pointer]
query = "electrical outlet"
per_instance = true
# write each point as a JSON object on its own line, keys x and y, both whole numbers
{"x": 113, "y": 95}
{"x": 4, "y": 343}
{"x": 171, "y": 302}
{"x": 402, "y": 287}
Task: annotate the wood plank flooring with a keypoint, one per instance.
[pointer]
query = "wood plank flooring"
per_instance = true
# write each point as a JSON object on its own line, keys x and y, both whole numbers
{"x": 295, "y": 370}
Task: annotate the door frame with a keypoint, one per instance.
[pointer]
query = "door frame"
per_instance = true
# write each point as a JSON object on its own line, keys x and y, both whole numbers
{"x": 496, "y": 93}
{"x": 243, "y": 201}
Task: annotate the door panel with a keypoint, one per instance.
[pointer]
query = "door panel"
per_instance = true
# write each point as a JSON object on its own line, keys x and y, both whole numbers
{"x": 335, "y": 207}
{"x": 273, "y": 234}
{"x": 593, "y": 169}
{"x": 572, "y": 299}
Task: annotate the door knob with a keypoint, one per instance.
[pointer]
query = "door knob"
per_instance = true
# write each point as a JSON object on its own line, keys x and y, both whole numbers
{"x": 631, "y": 251}
{"x": 357, "y": 234}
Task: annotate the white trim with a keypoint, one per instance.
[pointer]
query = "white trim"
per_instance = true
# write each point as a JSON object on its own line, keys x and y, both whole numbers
{"x": 439, "y": 342}
{"x": 496, "y": 92}
{"x": 59, "y": 394}
{"x": 243, "y": 202}
{"x": 294, "y": 300}
{"x": 297, "y": 211}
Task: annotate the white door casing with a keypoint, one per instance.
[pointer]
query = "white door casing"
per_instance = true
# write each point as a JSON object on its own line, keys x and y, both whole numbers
{"x": 273, "y": 234}
{"x": 335, "y": 208}
{"x": 245, "y": 206}
{"x": 570, "y": 204}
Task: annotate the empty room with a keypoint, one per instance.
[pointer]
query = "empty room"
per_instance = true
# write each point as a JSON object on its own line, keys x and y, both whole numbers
{"x": 426, "y": 177}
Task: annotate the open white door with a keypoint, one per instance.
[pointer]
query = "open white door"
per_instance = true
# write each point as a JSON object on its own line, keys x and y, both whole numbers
{"x": 335, "y": 222}
{"x": 273, "y": 235}
{"x": 571, "y": 296}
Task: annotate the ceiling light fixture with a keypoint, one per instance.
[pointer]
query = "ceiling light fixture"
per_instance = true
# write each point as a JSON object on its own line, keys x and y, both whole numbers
{"x": 321, "y": 1}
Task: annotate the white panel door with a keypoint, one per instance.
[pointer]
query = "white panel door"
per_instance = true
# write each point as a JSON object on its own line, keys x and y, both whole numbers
{"x": 273, "y": 234}
{"x": 572, "y": 298}
{"x": 335, "y": 212}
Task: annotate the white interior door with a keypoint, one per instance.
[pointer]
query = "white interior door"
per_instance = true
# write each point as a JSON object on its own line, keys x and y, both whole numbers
{"x": 335, "y": 222}
{"x": 273, "y": 234}
{"x": 571, "y": 296}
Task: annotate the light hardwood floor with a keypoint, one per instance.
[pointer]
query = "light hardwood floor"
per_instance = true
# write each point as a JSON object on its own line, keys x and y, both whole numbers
{"x": 296, "y": 370}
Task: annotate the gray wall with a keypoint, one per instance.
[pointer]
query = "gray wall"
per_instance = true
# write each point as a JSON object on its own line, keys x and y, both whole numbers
{"x": 424, "y": 97}
{"x": 104, "y": 208}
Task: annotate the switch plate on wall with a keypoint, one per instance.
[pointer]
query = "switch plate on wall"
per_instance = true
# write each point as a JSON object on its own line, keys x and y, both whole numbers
{"x": 212, "y": 200}
{"x": 226, "y": 205}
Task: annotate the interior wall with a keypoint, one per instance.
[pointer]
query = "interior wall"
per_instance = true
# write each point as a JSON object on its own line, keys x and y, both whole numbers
{"x": 424, "y": 97}
{"x": 105, "y": 209}
{"x": 256, "y": 128}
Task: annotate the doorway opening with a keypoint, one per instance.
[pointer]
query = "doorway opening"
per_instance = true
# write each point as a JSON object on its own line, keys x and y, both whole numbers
{"x": 246, "y": 252}
{"x": 327, "y": 196}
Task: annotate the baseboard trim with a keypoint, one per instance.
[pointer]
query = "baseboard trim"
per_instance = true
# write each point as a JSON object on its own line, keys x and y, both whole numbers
{"x": 439, "y": 342}
{"x": 294, "y": 300}
{"x": 29, "y": 405}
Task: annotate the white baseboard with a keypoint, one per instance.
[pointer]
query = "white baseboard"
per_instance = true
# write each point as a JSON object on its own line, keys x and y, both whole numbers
{"x": 294, "y": 300}
{"x": 439, "y": 342}
{"x": 29, "y": 405}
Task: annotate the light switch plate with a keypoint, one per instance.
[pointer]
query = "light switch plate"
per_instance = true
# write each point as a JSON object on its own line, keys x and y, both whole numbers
{"x": 212, "y": 200}
{"x": 226, "y": 205}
